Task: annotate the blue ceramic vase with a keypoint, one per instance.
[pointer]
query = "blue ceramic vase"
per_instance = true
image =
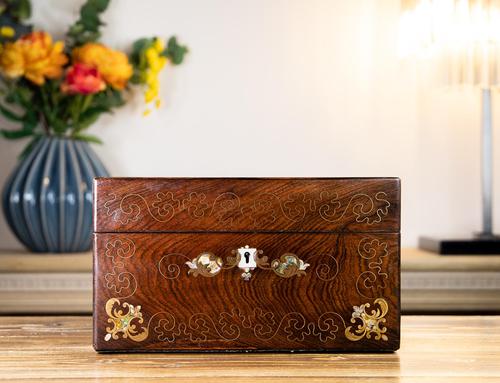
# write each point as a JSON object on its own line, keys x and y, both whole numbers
{"x": 47, "y": 200}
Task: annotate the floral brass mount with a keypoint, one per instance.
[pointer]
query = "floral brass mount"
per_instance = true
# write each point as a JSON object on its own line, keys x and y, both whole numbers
{"x": 247, "y": 258}
{"x": 371, "y": 322}
{"x": 127, "y": 321}
{"x": 124, "y": 322}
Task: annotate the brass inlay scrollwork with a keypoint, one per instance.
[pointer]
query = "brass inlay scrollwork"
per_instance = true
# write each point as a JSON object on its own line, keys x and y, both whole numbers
{"x": 229, "y": 326}
{"x": 170, "y": 270}
{"x": 371, "y": 282}
{"x": 326, "y": 272}
{"x": 226, "y": 208}
{"x": 366, "y": 208}
{"x": 119, "y": 279}
{"x": 195, "y": 204}
{"x": 263, "y": 210}
{"x": 162, "y": 209}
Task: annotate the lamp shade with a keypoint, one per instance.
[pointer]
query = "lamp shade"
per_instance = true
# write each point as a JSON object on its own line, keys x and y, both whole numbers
{"x": 462, "y": 36}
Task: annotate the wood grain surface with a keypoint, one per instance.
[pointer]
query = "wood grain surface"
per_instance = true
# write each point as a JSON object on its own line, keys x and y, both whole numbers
{"x": 323, "y": 271}
{"x": 246, "y": 204}
{"x": 311, "y": 310}
{"x": 434, "y": 349}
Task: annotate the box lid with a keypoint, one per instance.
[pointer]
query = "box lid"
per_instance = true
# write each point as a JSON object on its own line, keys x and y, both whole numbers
{"x": 246, "y": 205}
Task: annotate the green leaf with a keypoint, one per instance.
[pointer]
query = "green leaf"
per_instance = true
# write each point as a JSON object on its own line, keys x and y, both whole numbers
{"x": 87, "y": 138}
{"x": 109, "y": 99}
{"x": 20, "y": 9}
{"x": 16, "y": 10}
{"x": 15, "y": 134}
{"x": 116, "y": 99}
{"x": 24, "y": 95}
{"x": 142, "y": 44}
{"x": 20, "y": 95}
{"x": 138, "y": 49}
{"x": 97, "y": 109}
{"x": 89, "y": 14}
{"x": 138, "y": 59}
{"x": 138, "y": 77}
{"x": 58, "y": 125}
{"x": 86, "y": 102}
{"x": 9, "y": 114}
{"x": 86, "y": 28}
{"x": 99, "y": 5}
{"x": 88, "y": 118}
{"x": 174, "y": 51}
{"x": 30, "y": 120}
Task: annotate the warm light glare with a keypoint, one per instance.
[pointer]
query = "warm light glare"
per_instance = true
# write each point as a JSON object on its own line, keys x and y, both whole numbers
{"x": 464, "y": 34}
{"x": 434, "y": 24}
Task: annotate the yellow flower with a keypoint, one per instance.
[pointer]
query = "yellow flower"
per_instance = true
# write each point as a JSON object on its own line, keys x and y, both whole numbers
{"x": 159, "y": 45}
{"x": 155, "y": 62}
{"x": 33, "y": 56}
{"x": 7, "y": 31}
{"x": 112, "y": 65}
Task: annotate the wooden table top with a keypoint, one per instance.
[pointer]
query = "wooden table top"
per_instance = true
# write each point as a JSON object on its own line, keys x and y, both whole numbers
{"x": 434, "y": 349}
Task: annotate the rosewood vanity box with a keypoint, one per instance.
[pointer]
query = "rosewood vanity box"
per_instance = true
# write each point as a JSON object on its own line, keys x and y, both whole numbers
{"x": 246, "y": 264}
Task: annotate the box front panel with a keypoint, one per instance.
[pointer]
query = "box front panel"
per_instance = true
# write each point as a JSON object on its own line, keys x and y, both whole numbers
{"x": 248, "y": 205}
{"x": 244, "y": 291}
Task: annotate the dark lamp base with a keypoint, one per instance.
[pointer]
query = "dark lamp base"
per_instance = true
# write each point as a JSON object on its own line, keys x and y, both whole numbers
{"x": 467, "y": 246}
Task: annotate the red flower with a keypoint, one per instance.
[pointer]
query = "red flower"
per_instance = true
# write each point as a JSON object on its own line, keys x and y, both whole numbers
{"x": 82, "y": 79}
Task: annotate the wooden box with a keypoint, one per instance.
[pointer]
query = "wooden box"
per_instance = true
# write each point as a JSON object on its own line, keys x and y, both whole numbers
{"x": 285, "y": 264}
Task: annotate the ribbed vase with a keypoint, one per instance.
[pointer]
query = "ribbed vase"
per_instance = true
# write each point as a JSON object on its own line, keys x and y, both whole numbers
{"x": 47, "y": 200}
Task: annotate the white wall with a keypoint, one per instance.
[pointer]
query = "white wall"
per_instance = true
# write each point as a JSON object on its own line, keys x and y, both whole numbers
{"x": 290, "y": 88}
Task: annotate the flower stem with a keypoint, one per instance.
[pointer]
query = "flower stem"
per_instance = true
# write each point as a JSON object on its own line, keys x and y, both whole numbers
{"x": 45, "y": 124}
{"x": 44, "y": 112}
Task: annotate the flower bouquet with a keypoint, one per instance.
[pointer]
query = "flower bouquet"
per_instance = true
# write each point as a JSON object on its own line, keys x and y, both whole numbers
{"x": 54, "y": 90}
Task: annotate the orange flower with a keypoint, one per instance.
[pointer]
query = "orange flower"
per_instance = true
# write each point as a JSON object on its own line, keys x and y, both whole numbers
{"x": 82, "y": 79}
{"x": 112, "y": 65}
{"x": 33, "y": 56}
